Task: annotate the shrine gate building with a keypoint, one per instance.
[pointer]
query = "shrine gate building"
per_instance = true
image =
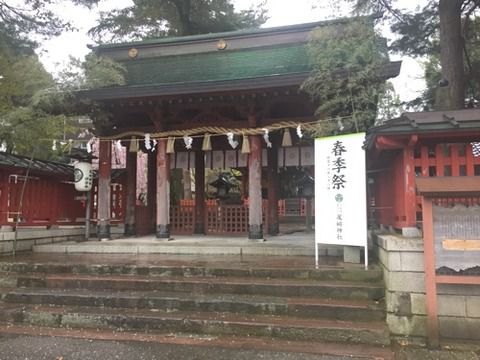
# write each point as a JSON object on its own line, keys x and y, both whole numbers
{"x": 207, "y": 86}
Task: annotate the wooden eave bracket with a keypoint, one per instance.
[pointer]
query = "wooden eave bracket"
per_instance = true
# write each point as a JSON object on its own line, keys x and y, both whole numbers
{"x": 411, "y": 121}
{"x": 451, "y": 120}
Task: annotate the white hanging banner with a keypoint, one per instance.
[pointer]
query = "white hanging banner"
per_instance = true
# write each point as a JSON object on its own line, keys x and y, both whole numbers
{"x": 340, "y": 192}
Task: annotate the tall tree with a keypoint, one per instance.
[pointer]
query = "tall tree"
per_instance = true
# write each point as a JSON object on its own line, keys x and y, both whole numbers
{"x": 158, "y": 18}
{"x": 347, "y": 59}
{"x": 438, "y": 28}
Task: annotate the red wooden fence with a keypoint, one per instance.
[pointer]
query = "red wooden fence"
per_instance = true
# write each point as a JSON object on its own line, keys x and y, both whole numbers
{"x": 46, "y": 201}
{"x": 392, "y": 204}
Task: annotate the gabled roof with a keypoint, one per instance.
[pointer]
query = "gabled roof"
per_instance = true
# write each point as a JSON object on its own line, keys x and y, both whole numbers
{"x": 255, "y": 32}
{"x": 45, "y": 166}
{"x": 250, "y": 59}
{"x": 428, "y": 122}
{"x": 225, "y": 65}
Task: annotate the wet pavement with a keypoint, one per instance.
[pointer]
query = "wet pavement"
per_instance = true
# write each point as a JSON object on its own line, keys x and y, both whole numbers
{"x": 31, "y": 347}
{"x": 21, "y": 347}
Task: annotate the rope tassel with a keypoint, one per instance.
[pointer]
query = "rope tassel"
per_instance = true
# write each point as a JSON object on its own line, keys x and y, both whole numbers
{"x": 170, "y": 145}
{"x": 245, "y": 145}
{"x": 287, "y": 138}
{"x": 207, "y": 144}
{"x": 133, "y": 144}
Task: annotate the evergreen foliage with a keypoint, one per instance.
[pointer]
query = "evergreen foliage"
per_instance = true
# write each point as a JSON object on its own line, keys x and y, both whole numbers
{"x": 347, "y": 59}
{"x": 147, "y": 19}
{"x": 447, "y": 33}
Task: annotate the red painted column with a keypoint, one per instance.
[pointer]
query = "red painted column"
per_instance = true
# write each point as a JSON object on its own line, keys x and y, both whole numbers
{"x": 199, "y": 193}
{"x": 409, "y": 187}
{"x": 255, "y": 226}
{"x": 163, "y": 191}
{"x": 104, "y": 191}
{"x": 151, "y": 187}
{"x": 430, "y": 281}
{"x": 273, "y": 185}
{"x": 4, "y": 193}
{"x": 131, "y": 165}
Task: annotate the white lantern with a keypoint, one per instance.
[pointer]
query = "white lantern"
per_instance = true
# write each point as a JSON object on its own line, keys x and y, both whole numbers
{"x": 83, "y": 176}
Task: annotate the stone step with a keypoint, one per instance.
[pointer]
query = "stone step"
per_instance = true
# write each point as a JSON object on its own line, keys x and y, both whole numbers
{"x": 289, "y": 271}
{"x": 305, "y": 349}
{"x": 182, "y": 301}
{"x": 208, "y": 285}
{"x": 208, "y": 323}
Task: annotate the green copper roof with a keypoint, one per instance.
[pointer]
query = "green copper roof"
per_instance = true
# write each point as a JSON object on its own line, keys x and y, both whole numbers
{"x": 227, "y": 34}
{"x": 219, "y": 65}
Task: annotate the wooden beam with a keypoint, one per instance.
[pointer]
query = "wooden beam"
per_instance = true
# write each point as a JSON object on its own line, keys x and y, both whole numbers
{"x": 104, "y": 191}
{"x": 465, "y": 245}
{"x": 131, "y": 165}
{"x": 163, "y": 191}
{"x": 255, "y": 226}
{"x": 199, "y": 193}
{"x": 430, "y": 281}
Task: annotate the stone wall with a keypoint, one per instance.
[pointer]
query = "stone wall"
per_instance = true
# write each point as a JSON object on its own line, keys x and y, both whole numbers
{"x": 403, "y": 266}
{"x": 28, "y": 237}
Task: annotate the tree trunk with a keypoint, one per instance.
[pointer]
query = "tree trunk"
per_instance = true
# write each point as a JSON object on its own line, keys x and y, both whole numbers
{"x": 451, "y": 51}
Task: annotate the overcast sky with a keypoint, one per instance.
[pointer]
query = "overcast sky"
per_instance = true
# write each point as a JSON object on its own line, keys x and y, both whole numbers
{"x": 55, "y": 52}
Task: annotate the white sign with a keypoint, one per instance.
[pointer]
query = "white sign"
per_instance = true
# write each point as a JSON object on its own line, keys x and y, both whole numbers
{"x": 340, "y": 192}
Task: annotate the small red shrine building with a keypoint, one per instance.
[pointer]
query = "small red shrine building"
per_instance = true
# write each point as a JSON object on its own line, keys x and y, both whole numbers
{"x": 238, "y": 82}
{"x": 423, "y": 144}
{"x": 424, "y": 171}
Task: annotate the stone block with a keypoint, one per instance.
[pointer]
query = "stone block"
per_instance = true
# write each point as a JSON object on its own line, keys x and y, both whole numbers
{"x": 393, "y": 260}
{"x": 399, "y": 303}
{"x": 405, "y": 281}
{"x": 399, "y": 243}
{"x": 454, "y": 289}
{"x": 451, "y": 305}
{"x": 411, "y": 232}
{"x": 473, "y": 306}
{"x": 6, "y": 247}
{"x": 412, "y": 261}
{"x": 415, "y": 325}
{"x": 459, "y": 328}
{"x": 351, "y": 254}
{"x": 418, "y": 303}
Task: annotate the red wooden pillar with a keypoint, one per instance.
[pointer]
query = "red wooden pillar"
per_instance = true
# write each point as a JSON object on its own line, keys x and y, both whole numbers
{"x": 273, "y": 224}
{"x": 409, "y": 187}
{"x": 255, "y": 226}
{"x": 151, "y": 187}
{"x": 104, "y": 191}
{"x": 430, "y": 280}
{"x": 199, "y": 193}
{"x": 4, "y": 193}
{"x": 163, "y": 191}
{"x": 131, "y": 165}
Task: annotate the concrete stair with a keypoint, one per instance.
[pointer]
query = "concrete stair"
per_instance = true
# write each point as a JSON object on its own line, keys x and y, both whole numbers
{"x": 332, "y": 305}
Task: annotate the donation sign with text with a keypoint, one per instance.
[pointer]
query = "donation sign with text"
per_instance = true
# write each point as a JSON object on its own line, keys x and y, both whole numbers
{"x": 340, "y": 191}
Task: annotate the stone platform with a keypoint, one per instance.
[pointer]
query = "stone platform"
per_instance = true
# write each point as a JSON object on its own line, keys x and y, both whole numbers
{"x": 298, "y": 244}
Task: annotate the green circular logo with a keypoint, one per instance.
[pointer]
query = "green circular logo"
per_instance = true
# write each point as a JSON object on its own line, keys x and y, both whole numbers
{"x": 339, "y": 197}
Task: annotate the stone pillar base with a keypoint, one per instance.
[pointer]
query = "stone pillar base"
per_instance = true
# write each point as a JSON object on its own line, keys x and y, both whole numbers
{"x": 255, "y": 232}
{"x": 130, "y": 230}
{"x": 103, "y": 231}
{"x": 199, "y": 229}
{"x": 273, "y": 229}
{"x": 163, "y": 231}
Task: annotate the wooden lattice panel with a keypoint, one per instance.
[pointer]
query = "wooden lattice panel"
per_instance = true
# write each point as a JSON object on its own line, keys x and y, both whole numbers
{"x": 182, "y": 219}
